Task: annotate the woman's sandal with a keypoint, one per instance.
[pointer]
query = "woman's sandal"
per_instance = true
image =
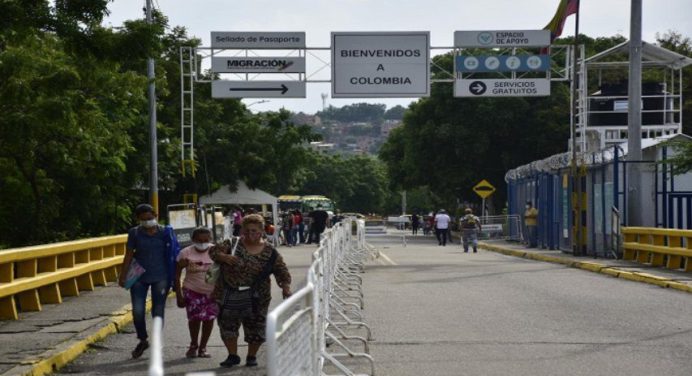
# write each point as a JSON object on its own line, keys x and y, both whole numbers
{"x": 202, "y": 353}
{"x": 191, "y": 352}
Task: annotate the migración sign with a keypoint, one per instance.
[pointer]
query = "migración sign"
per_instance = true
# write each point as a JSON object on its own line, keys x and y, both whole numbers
{"x": 223, "y": 64}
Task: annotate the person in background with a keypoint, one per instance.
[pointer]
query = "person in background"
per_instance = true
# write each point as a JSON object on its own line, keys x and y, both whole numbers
{"x": 242, "y": 269}
{"x": 320, "y": 219}
{"x": 155, "y": 248}
{"x": 195, "y": 293}
{"x": 442, "y": 221}
{"x": 470, "y": 226}
{"x": 237, "y": 220}
{"x": 415, "y": 223}
{"x": 531, "y": 222}
{"x": 287, "y": 228}
{"x": 298, "y": 228}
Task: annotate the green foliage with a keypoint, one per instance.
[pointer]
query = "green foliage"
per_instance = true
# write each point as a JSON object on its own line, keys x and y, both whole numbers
{"x": 356, "y": 184}
{"x": 358, "y": 112}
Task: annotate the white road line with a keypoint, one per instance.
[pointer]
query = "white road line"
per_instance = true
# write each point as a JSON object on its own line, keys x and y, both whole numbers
{"x": 387, "y": 258}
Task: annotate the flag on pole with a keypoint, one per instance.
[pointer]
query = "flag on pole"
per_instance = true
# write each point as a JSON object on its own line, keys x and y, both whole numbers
{"x": 564, "y": 10}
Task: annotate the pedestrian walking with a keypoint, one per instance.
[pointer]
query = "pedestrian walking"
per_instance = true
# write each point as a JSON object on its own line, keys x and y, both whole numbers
{"x": 442, "y": 227}
{"x": 195, "y": 293}
{"x": 243, "y": 289}
{"x": 298, "y": 224}
{"x": 470, "y": 226}
{"x": 237, "y": 220}
{"x": 318, "y": 224}
{"x": 149, "y": 263}
{"x": 531, "y": 222}
{"x": 287, "y": 228}
{"x": 415, "y": 223}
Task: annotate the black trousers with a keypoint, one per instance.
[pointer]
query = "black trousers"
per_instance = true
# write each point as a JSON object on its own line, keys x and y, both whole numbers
{"x": 441, "y": 234}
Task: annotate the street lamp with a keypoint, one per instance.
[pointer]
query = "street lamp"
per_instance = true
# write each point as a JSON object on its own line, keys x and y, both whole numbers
{"x": 256, "y": 102}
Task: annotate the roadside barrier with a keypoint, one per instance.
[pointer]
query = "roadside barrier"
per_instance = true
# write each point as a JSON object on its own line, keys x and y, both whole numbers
{"x": 658, "y": 247}
{"x": 507, "y": 227}
{"x": 44, "y": 274}
{"x": 303, "y": 329}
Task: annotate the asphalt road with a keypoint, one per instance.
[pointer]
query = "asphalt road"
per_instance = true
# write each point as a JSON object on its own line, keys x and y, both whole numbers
{"x": 437, "y": 311}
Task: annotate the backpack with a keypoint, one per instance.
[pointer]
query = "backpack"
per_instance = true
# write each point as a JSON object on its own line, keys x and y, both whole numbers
{"x": 469, "y": 221}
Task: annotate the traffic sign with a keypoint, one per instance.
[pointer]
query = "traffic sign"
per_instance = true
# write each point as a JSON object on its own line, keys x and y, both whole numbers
{"x": 502, "y": 38}
{"x": 380, "y": 64}
{"x": 484, "y": 189}
{"x": 223, "y": 64}
{"x": 257, "y": 40}
{"x": 502, "y": 63}
{"x": 257, "y": 89}
{"x": 525, "y": 87}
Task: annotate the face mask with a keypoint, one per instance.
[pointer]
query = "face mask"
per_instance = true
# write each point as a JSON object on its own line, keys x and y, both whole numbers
{"x": 202, "y": 246}
{"x": 528, "y": 206}
{"x": 148, "y": 224}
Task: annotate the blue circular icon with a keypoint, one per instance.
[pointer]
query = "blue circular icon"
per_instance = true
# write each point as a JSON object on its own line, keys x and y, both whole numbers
{"x": 485, "y": 38}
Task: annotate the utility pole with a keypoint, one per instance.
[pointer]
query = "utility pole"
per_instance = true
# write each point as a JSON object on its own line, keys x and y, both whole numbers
{"x": 153, "y": 167}
{"x": 574, "y": 168}
{"x": 634, "y": 125}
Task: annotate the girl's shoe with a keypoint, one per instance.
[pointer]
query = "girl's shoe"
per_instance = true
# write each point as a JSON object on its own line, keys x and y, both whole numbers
{"x": 202, "y": 353}
{"x": 191, "y": 351}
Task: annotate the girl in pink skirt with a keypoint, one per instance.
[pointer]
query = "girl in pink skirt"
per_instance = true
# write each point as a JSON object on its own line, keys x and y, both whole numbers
{"x": 195, "y": 292}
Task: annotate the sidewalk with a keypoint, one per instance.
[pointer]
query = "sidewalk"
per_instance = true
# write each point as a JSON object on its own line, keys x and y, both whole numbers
{"x": 40, "y": 342}
{"x": 628, "y": 270}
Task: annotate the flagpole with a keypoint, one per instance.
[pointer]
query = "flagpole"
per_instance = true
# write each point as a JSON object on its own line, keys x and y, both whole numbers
{"x": 577, "y": 186}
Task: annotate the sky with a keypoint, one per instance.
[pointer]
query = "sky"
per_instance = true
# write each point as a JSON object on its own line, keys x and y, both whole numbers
{"x": 598, "y": 18}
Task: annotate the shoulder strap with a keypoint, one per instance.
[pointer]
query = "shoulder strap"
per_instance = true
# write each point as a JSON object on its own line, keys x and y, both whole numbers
{"x": 268, "y": 268}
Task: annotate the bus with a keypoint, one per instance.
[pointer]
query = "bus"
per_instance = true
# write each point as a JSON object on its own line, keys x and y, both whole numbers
{"x": 305, "y": 204}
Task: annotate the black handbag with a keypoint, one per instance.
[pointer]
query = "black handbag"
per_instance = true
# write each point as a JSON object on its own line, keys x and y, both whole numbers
{"x": 244, "y": 302}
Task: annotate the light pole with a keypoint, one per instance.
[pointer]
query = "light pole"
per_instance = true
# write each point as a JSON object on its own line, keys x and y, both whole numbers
{"x": 153, "y": 166}
{"x": 634, "y": 124}
{"x": 256, "y": 102}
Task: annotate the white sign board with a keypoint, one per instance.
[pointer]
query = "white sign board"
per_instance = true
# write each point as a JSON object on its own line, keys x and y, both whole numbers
{"x": 502, "y": 38}
{"x": 224, "y": 64}
{"x": 257, "y": 89}
{"x": 494, "y": 227}
{"x": 380, "y": 64}
{"x": 257, "y": 40}
{"x": 529, "y": 87}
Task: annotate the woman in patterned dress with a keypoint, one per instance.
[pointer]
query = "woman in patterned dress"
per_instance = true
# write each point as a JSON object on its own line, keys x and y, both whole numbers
{"x": 240, "y": 270}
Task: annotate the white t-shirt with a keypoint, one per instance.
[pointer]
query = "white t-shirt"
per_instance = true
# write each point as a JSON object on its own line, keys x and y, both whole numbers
{"x": 442, "y": 221}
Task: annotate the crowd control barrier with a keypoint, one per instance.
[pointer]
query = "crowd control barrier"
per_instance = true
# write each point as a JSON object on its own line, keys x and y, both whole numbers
{"x": 658, "y": 247}
{"x": 44, "y": 274}
{"x": 312, "y": 330}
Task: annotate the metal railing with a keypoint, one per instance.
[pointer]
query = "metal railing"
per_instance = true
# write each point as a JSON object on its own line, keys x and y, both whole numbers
{"x": 325, "y": 312}
{"x": 658, "y": 247}
{"x": 507, "y": 227}
{"x": 44, "y": 274}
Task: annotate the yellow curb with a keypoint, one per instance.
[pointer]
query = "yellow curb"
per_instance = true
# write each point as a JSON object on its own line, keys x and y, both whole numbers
{"x": 63, "y": 357}
{"x": 590, "y": 266}
{"x": 593, "y": 267}
{"x": 679, "y": 286}
{"x": 611, "y": 272}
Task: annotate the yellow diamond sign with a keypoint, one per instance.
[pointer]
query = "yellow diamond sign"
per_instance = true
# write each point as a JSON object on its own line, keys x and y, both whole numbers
{"x": 484, "y": 189}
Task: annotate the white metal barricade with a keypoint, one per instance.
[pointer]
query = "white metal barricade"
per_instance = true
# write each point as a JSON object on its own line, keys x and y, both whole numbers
{"x": 324, "y": 311}
{"x": 507, "y": 227}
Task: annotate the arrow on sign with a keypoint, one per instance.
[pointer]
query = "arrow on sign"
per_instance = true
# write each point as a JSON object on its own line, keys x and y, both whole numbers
{"x": 283, "y": 89}
{"x": 477, "y": 88}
